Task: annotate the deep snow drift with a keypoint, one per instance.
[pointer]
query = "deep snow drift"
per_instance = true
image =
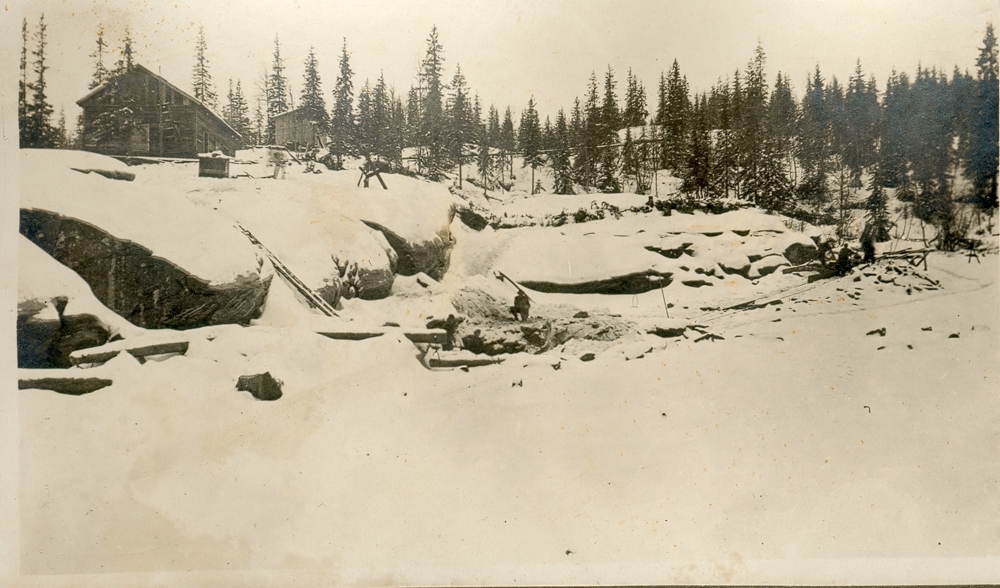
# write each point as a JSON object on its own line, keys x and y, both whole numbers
{"x": 853, "y": 417}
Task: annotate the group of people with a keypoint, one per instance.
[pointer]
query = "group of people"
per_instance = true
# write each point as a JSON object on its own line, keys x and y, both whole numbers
{"x": 843, "y": 261}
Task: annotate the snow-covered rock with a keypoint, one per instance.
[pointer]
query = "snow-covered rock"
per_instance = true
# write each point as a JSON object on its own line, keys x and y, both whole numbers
{"x": 766, "y": 265}
{"x": 147, "y": 253}
{"x": 57, "y": 313}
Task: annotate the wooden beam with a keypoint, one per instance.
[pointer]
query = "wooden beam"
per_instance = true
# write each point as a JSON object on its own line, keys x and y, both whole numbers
{"x": 134, "y": 347}
{"x": 63, "y": 385}
{"x": 432, "y": 336}
{"x": 446, "y": 362}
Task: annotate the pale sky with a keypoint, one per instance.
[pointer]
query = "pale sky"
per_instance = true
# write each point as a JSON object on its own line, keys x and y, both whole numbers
{"x": 512, "y": 49}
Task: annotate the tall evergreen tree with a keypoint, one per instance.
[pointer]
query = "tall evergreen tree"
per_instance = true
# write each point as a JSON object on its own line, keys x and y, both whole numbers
{"x": 127, "y": 59}
{"x": 507, "y": 143}
{"x": 931, "y": 141}
{"x": 62, "y": 140}
{"x": 237, "y": 112}
{"x": 608, "y": 162}
{"x": 631, "y": 164}
{"x": 530, "y": 140}
{"x": 461, "y": 127}
{"x": 38, "y": 112}
{"x": 397, "y": 131}
{"x": 311, "y": 101}
{"x": 724, "y": 156}
{"x": 982, "y": 158}
{"x": 673, "y": 118}
{"x": 758, "y": 171}
{"x": 277, "y": 90}
{"x": 367, "y": 126}
{"x": 877, "y": 220}
{"x": 893, "y": 152}
{"x": 381, "y": 105}
{"x": 201, "y": 79}
{"x": 561, "y": 168}
{"x": 101, "y": 71}
{"x": 635, "y": 102}
{"x": 22, "y": 87}
{"x": 433, "y": 134}
{"x": 591, "y": 137}
{"x": 782, "y": 115}
{"x": 698, "y": 170}
{"x": 342, "y": 129}
{"x": 486, "y": 158}
{"x": 814, "y": 143}
{"x": 611, "y": 118}
{"x": 862, "y": 113}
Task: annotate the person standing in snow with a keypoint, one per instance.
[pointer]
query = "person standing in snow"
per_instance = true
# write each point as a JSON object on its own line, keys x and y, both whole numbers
{"x": 845, "y": 261}
{"x": 279, "y": 159}
{"x": 868, "y": 243}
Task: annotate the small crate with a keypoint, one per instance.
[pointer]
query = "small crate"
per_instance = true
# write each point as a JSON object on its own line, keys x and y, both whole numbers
{"x": 213, "y": 165}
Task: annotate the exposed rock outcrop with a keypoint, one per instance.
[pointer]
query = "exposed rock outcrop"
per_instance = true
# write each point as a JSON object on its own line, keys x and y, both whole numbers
{"x": 147, "y": 290}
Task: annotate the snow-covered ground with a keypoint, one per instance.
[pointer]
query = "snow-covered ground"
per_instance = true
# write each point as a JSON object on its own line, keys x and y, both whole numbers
{"x": 801, "y": 435}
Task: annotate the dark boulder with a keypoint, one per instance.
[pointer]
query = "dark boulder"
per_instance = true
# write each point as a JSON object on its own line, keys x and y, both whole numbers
{"x": 147, "y": 290}
{"x": 261, "y": 386}
{"x": 46, "y": 335}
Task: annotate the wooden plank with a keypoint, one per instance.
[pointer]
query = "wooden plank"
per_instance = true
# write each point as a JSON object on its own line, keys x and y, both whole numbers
{"x": 446, "y": 362}
{"x": 141, "y": 353}
{"x": 94, "y": 357}
{"x": 432, "y": 336}
{"x": 134, "y": 347}
{"x": 64, "y": 385}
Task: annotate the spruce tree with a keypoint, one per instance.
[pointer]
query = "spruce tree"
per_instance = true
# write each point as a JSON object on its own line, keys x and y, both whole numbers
{"x": 862, "y": 112}
{"x": 342, "y": 128}
{"x": 635, "y": 102}
{"x": 461, "y": 127}
{"x": 381, "y": 106}
{"x": 489, "y": 135}
{"x": 893, "y": 153}
{"x": 101, "y": 72}
{"x": 591, "y": 137}
{"x": 530, "y": 140}
{"x": 548, "y": 135}
{"x": 724, "y": 156}
{"x": 673, "y": 118}
{"x": 982, "y": 158}
{"x": 507, "y": 143}
{"x": 814, "y": 143}
{"x": 236, "y": 112}
{"x": 782, "y": 115}
{"x": 698, "y": 170}
{"x": 127, "y": 59}
{"x": 877, "y": 221}
{"x": 366, "y": 127}
{"x": 631, "y": 165}
{"x": 611, "y": 118}
{"x": 756, "y": 175}
{"x": 277, "y": 91}
{"x": 201, "y": 79}
{"x": 561, "y": 168}
{"x": 22, "y": 87}
{"x": 62, "y": 140}
{"x": 432, "y": 138}
{"x": 396, "y": 131}
{"x": 40, "y": 132}
{"x": 311, "y": 101}
{"x": 931, "y": 141}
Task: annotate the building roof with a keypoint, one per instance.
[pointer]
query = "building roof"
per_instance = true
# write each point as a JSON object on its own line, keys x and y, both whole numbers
{"x": 163, "y": 81}
{"x": 293, "y": 111}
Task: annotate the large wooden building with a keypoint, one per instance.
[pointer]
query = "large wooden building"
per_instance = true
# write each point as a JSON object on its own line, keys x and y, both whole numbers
{"x": 293, "y": 129}
{"x": 164, "y": 120}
